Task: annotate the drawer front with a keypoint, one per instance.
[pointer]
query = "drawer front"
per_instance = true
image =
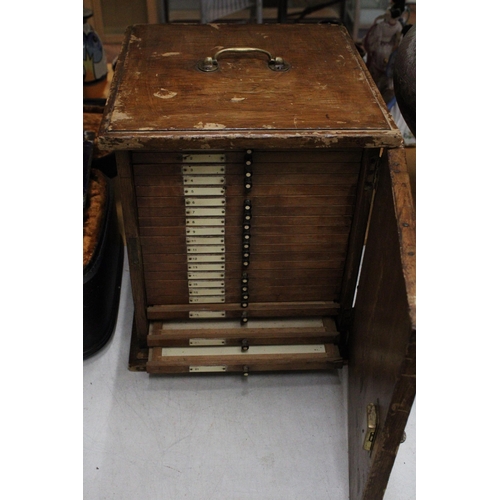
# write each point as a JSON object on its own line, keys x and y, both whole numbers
{"x": 244, "y": 227}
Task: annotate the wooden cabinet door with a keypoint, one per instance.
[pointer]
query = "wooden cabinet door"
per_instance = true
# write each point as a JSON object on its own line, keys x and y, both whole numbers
{"x": 382, "y": 337}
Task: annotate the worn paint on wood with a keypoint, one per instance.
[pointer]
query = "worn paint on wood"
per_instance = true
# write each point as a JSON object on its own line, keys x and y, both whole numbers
{"x": 326, "y": 99}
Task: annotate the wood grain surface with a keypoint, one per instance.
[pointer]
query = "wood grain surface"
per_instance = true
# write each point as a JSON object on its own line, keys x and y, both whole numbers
{"x": 327, "y": 98}
{"x": 246, "y": 363}
{"x": 302, "y": 206}
{"x": 382, "y": 341}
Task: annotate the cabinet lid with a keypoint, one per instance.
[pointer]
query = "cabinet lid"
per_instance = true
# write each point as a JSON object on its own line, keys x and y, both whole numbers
{"x": 326, "y": 98}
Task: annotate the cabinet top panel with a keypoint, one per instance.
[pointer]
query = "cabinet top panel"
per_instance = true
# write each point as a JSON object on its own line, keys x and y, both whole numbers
{"x": 324, "y": 98}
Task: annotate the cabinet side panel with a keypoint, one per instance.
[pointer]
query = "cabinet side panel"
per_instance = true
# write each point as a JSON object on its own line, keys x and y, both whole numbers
{"x": 382, "y": 336}
{"x": 133, "y": 244}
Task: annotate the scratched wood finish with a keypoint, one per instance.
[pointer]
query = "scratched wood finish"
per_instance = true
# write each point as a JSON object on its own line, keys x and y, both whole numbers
{"x": 327, "y": 98}
{"x": 382, "y": 338}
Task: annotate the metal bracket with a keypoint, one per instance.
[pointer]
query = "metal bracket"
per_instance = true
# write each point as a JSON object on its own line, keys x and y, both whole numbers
{"x": 371, "y": 426}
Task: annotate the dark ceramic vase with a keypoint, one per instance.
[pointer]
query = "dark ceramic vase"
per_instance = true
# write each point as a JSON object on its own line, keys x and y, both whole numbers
{"x": 405, "y": 73}
{"x": 95, "y": 67}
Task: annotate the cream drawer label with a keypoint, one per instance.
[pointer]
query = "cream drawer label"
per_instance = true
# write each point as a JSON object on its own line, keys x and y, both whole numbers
{"x": 205, "y": 231}
{"x": 203, "y": 180}
{"x": 192, "y": 240}
{"x": 205, "y": 212}
{"x": 205, "y": 222}
{"x": 204, "y": 191}
{"x": 205, "y": 202}
{"x": 207, "y": 342}
{"x": 206, "y": 300}
{"x": 209, "y": 292}
{"x": 206, "y": 267}
{"x": 204, "y": 169}
{"x": 208, "y": 275}
{"x": 204, "y": 158}
{"x": 207, "y": 258}
{"x": 207, "y": 314}
{"x": 205, "y": 249}
{"x": 205, "y": 283}
{"x": 207, "y": 369}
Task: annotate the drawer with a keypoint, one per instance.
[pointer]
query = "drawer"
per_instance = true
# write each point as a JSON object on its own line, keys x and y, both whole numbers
{"x": 222, "y": 345}
{"x": 233, "y": 359}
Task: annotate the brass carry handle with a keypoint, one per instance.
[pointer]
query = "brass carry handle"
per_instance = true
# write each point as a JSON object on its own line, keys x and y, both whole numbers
{"x": 210, "y": 64}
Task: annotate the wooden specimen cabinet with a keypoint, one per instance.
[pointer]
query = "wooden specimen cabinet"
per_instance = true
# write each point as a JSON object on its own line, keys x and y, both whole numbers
{"x": 259, "y": 168}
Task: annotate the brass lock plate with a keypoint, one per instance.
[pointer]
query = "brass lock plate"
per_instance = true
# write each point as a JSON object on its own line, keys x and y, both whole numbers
{"x": 371, "y": 427}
